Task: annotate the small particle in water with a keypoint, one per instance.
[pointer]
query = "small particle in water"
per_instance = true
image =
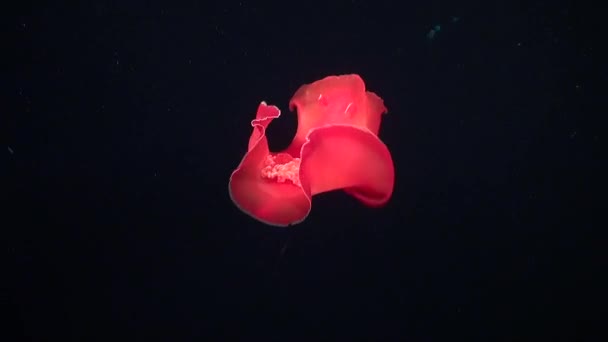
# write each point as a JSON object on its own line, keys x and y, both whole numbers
{"x": 433, "y": 32}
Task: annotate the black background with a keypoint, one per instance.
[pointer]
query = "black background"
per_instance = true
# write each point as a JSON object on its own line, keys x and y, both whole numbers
{"x": 122, "y": 122}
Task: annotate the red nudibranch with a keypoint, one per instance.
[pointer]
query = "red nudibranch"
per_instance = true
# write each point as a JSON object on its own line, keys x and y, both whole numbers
{"x": 336, "y": 146}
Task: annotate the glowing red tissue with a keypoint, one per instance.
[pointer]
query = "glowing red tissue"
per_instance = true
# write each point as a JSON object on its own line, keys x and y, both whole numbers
{"x": 336, "y": 146}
